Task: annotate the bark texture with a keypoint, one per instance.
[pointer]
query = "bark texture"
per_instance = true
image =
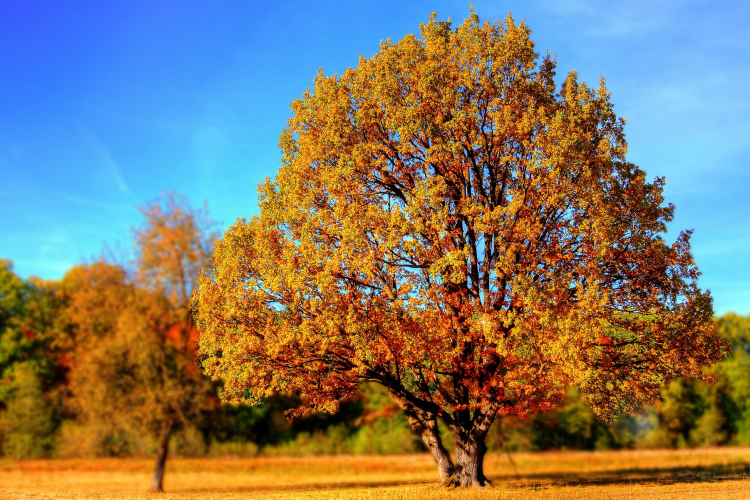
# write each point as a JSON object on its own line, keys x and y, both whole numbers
{"x": 470, "y": 464}
{"x": 425, "y": 426}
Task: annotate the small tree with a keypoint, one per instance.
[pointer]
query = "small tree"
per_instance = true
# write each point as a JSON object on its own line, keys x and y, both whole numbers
{"x": 448, "y": 225}
{"x": 172, "y": 246}
{"x": 135, "y": 361}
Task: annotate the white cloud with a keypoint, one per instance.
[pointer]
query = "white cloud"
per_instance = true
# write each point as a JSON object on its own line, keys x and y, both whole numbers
{"x": 106, "y": 163}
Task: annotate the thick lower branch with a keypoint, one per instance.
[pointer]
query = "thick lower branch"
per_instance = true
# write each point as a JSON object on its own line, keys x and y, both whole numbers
{"x": 425, "y": 426}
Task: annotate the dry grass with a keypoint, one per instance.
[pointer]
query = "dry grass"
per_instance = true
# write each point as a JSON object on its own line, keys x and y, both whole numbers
{"x": 694, "y": 474}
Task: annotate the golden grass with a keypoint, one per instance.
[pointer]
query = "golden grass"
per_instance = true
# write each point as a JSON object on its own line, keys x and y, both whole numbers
{"x": 695, "y": 474}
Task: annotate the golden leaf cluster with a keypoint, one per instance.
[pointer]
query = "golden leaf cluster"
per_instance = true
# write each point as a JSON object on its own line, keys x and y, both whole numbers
{"x": 449, "y": 223}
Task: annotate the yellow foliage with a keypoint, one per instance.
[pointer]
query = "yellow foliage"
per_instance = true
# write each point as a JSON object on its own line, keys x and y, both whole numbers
{"x": 450, "y": 225}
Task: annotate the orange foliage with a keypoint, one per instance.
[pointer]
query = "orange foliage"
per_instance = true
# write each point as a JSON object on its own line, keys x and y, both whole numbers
{"x": 175, "y": 332}
{"x": 449, "y": 225}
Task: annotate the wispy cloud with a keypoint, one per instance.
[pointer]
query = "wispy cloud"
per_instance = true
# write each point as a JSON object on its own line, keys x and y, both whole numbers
{"x": 77, "y": 200}
{"x": 106, "y": 162}
{"x": 619, "y": 20}
{"x": 54, "y": 240}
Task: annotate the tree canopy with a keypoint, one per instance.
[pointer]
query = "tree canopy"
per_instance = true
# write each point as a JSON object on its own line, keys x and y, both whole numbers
{"x": 450, "y": 224}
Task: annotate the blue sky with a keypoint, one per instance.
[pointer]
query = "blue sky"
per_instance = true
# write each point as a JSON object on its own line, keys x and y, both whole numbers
{"x": 104, "y": 105}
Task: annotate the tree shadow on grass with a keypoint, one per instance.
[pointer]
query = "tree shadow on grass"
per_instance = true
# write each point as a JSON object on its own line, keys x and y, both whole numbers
{"x": 644, "y": 476}
{"x": 279, "y": 486}
{"x": 657, "y": 475}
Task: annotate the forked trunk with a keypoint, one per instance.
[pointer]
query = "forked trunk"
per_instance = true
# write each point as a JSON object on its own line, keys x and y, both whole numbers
{"x": 470, "y": 442}
{"x": 165, "y": 433}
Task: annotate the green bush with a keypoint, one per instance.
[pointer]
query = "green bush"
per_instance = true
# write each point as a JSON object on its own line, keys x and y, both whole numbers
{"x": 29, "y": 422}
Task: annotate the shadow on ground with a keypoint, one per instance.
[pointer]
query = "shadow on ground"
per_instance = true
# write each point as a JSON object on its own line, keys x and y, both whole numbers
{"x": 644, "y": 476}
{"x": 660, "y": 475}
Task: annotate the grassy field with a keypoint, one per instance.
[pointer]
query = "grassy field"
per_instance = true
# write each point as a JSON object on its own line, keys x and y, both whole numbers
{"x": 693, "y": 474}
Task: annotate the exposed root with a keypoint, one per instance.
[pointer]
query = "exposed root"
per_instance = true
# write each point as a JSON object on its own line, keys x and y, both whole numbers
{"x": 450, "y": 481}
{"x": 456, "y": 481}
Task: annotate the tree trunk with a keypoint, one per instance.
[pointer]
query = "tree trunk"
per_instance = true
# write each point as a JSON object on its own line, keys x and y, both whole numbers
{"x": 470, "y": 442}
{"x": 425, "y": 426}
{"x": 157, "y": 481}
{"x": 470, "y": 463}
{"x": 432, "y": 439}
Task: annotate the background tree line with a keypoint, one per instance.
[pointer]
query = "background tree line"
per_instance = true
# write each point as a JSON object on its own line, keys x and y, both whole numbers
{"x": 102, "y": 363}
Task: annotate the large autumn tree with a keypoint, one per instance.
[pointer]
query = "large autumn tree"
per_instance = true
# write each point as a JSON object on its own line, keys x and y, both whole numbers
{"x": 451, "y": 225}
